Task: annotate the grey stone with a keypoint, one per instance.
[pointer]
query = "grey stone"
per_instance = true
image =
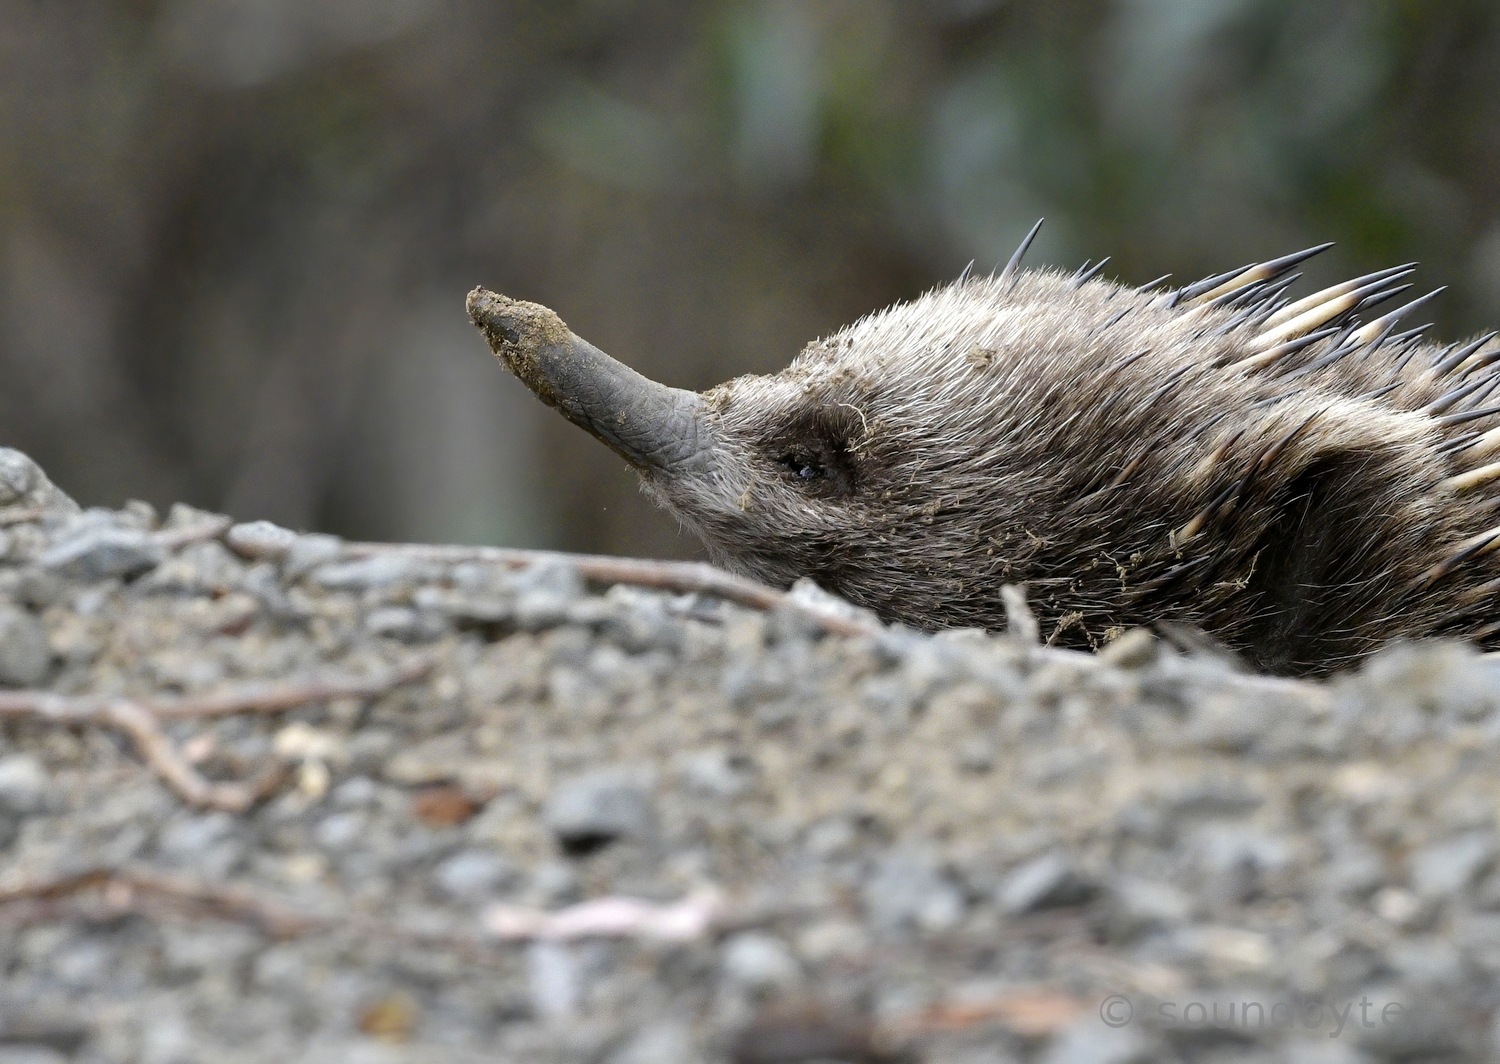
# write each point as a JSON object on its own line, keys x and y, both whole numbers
{"x": 198, "y": 569}
{"x": 407, "y": 625}
{"x": 717, "y": 772}
{"x": 1445, "y": 868}
{"x": 364, "y": 574}
{"x": 473, "y": 874}
{"x": 24, "y": 654}
{"x": 544, "y": 593}
{"x": 759, "y": 961}
{"x": 908, "y": 889}
{"x": 1089, "y": 1041}
{"x": 310, "y": 551}
{"x": 24, "y": 785}
{"x": 666, "y": 1042}
{"x": 338, "y": 831}
{"x": 598, "y": 807}
{"x": 260, "y": 539}
{"x": 22, "y": 483}
{"x": 1046, "y": 882}
{"x": 1141, "y": 905}
{"x": 96, "y": 547}
{"x": 17, "y": 475}
{"x": 354, "y": 792}
{"x": 1424, "y": 1025}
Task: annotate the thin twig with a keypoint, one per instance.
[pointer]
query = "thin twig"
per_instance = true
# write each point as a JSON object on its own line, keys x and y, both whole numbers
{"x": 20, "y": 517}
{"x": 129, "y": 891}
{"x": 154, "y": 895}
{"x": 682, "y": 577}
{"x": 141, "y": 719}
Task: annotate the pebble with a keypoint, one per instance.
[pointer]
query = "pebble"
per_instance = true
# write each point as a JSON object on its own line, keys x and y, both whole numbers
{"x": 24, "y": 784}
{"x": 260, "y": 540}
{"x": 25, "y": 657}
{"x": 471, "y": 875}
{"x": 97, "y": 547}
{"x": 910, "y": 890}
{"x": 598, "y": 807}
{"x": 310, "y": 551}
{"x": 17, "y": 475}
{"x": 1443, "y": 869}
{"x": 364, "y": 574}
{"x": 759, "y": 962}
{"x": 1046, "y": 882}
{"x": 1090, "y": 1042}
{"x": 22, "y": 483}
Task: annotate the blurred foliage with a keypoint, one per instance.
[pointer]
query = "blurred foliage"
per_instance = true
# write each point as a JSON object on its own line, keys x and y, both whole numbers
{"x": 235, "y": 235}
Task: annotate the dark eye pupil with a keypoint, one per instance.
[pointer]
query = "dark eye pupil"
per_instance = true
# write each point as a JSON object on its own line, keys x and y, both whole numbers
{"x": 802, "y": 468}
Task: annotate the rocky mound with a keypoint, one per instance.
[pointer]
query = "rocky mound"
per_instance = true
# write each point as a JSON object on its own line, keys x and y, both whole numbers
{"x": 277, "y": 797}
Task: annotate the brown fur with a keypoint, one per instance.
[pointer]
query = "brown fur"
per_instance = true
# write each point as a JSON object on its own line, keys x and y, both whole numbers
{"x": 1100, "y": 445}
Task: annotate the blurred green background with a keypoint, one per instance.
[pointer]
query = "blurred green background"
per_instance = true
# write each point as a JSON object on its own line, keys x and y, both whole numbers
{"x": 235, "y": 235}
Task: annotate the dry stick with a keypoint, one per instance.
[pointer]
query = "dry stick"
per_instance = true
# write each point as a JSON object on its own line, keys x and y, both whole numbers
{"x": 151, "y": 894}
{"x": 141, "y": 720}
{"x": 127, "y": 891}
{"x": 682, "y": 577}
{"x": 20, "y": 517}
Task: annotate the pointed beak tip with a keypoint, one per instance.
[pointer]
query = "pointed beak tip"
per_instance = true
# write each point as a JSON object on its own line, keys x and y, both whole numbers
{"x": 478, "y": 303}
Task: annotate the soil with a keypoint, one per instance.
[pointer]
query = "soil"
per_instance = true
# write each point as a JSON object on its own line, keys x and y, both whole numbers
{"x": 626, "y": 826}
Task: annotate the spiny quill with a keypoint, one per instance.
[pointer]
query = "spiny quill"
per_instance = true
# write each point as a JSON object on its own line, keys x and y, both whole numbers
{"x": 1296, "y": 478}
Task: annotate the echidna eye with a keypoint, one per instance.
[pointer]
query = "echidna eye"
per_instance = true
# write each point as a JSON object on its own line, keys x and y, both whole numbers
{"x": 801, "y": 466}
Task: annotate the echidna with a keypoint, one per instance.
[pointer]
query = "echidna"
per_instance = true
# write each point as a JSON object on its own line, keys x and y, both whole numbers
{"x": 1300, "y": 479}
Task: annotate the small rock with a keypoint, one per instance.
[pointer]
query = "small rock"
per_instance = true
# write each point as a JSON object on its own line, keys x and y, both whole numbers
{"x": 435, "y": 760}
{"x": 22, "y": 483}
{"x": 596, "y": 808}
{"x": 473, "y": 874}
{"x": 24, "y": 653}
{"x": 198, "y": 569}
{"x": 555, "y": 979}
{"x": 1446, "y": 868}
{"x": 909, "y": 889}
{"x": 760, "y": 962}
{"x": 1140, "y": 905}
{"x": 554, "y": 883}
{"x": 667, "y": 1042}
{"x": 443, "y": 807}
{"x": 311, "y": 551}
{"x": 1091, "y": 1042}
{"x": 976, "y": 754}
{"x": 407, "y": 625}
{"x": 260, "y": 539}
{"x": 17, "y": 475}
{"x": 338, "y": 831}
{"x": 393, "y": 1019}
{"x": 1134, "y": 649}
{"x": 96, "y": 547}
{"x": 1045, "y": 883}
{"x": 23, "y": 785}
{"x": 717, "y": 772}
{"x": 544, "y": 594}
{"x": 364, "y": 574}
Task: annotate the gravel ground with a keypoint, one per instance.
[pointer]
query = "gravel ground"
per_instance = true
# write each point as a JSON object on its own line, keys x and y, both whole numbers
{"x": 623, "y": 826}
